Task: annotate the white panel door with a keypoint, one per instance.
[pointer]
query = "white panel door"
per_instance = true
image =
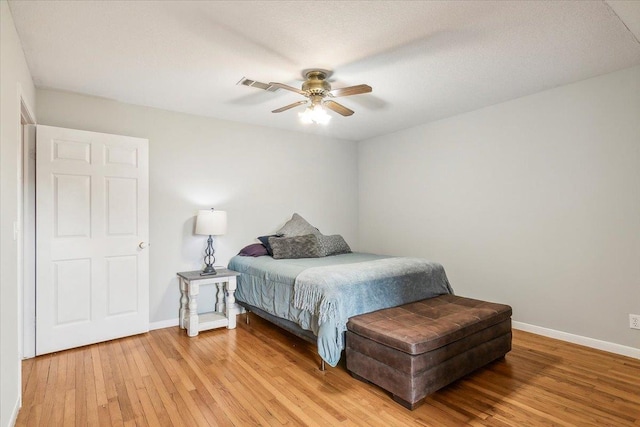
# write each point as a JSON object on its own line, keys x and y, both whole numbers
{"x": 92, "y": 260}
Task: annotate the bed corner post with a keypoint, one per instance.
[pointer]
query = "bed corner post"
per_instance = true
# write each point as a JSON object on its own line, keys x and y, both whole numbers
{"x": 322, "y": 367}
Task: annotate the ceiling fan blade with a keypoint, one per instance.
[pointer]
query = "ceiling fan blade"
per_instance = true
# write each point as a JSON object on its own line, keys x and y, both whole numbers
{"x": 338, "y": 108}
{"x": 286, "y": 107}
{"x": 351, "y": 90}
{"x": 287, "y": 87}
{"x": 252, "y": 83}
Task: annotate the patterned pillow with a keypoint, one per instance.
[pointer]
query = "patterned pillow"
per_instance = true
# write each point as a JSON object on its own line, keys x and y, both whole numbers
{"x": 297, "y": 226}
{"x": 295, "y": 247}
{"x": 333, "y": 245}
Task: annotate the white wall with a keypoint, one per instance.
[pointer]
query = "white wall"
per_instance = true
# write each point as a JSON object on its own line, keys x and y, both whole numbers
{"x": 260, "y": 176}
{"x": 534, "y": 202}
{"x": 15, "y": 82}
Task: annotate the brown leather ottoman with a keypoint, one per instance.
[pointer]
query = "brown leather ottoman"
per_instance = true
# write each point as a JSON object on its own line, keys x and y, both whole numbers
{"x": 418, "y": 348}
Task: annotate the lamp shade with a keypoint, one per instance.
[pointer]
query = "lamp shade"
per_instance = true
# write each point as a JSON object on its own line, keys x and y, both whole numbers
{"x": 211, "y": 223}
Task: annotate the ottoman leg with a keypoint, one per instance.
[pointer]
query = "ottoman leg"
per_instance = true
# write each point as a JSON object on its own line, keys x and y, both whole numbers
{"x": 408, "y": 405}
{"x": 359, "y": 378}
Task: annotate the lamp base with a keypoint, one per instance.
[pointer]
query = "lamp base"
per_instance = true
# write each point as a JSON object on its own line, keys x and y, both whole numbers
{"x": 209, "y": 259}
{"x": 208, "y": 274}
{"x": 209, "y": 271}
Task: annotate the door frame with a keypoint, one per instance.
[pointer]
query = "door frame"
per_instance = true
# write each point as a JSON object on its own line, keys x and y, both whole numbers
{"x": 26, "y": 230}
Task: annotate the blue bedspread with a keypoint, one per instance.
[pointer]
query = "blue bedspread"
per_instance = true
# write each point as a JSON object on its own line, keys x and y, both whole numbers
{"x": 320, "y": 294}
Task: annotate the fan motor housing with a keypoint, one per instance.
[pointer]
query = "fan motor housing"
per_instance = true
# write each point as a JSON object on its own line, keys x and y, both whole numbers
{"x": 316, "y": 83}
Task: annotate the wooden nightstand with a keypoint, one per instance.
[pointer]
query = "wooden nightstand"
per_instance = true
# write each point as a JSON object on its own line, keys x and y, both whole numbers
{"x": 225, "y": 309}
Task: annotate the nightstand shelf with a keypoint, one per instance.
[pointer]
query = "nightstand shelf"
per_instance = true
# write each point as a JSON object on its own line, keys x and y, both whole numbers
{"x": 212, "y": 320}
{"x": 226, "y": 308}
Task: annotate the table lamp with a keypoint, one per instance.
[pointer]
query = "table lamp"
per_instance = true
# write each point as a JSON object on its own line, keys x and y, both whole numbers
{"x": 210, "y": 223}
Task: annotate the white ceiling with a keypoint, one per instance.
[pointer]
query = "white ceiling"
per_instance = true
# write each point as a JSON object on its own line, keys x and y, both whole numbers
{"x": 424, "y": 60}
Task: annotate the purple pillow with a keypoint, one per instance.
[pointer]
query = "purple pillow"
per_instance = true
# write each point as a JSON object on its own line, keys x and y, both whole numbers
{"x": 255, "y": 249}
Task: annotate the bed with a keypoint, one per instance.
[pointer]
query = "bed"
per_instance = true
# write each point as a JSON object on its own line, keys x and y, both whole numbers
{"x": 314, "y": 297}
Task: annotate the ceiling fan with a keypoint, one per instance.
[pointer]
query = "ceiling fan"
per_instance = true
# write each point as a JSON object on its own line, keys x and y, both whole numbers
{"x": 318, "y": 92}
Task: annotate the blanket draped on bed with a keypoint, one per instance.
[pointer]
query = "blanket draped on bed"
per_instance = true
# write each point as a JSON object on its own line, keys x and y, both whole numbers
{"x": 332, "y": 294}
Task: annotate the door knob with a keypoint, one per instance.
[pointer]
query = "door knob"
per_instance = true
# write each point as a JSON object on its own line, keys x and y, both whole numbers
{"x": 143, "y": 245}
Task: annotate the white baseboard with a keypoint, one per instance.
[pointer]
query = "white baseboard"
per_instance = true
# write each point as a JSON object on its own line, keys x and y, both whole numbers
{"x": 163, "y": 324}
{"x": 14, "y": 413}
{"x": 578, "y": 339}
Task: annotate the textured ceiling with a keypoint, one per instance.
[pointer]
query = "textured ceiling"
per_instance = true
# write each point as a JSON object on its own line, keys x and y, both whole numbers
{"x": 424, "y": 60}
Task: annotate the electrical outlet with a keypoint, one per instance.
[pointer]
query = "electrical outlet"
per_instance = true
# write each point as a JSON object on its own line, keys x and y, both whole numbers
{"x": 634, "y": 321}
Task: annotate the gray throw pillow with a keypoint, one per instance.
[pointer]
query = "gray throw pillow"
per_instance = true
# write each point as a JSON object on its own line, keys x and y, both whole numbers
{"x": 295, "y": 247}
{"x": 333, "y": 245}
{"x": 297, "y": 226}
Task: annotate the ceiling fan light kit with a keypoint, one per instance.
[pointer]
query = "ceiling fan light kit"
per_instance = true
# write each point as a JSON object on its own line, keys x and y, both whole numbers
{"x": 315, "y": 114}
{"x": 316, "y": 89}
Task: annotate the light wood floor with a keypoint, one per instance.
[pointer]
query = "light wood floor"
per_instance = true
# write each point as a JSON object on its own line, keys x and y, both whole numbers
{"x": 260, "y": 375}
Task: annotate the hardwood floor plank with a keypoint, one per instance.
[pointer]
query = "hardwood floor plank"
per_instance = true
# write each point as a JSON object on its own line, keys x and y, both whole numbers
{"x": 43, "y": 369}
{"x": 261, "y": 375}
{"x": 125, "y": 408}
{"x": 57, "y": 412}
{"x": 98, "y": 376}
{"x": 90, "y": 390}
{"x": 210, "y": 408}
{"x": 182, "y": 373}
{"x": 69, "y": 419}
{"x": 157, "y": 371}
{"x": 115, "y": 413}
{"x": 189, "y": 406}
{"x": 80, "y": 398}
{"x": 29, "y": 376}
{"x": 162, "y": 401}
{"x": 160, "y": 389}
{"x": 105, "y": 362}
{"x": 70, "y": 379}
{"x": 151, "y": 417}
{"x": 136, "y": 362}
{"x": 104, "y": 416}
